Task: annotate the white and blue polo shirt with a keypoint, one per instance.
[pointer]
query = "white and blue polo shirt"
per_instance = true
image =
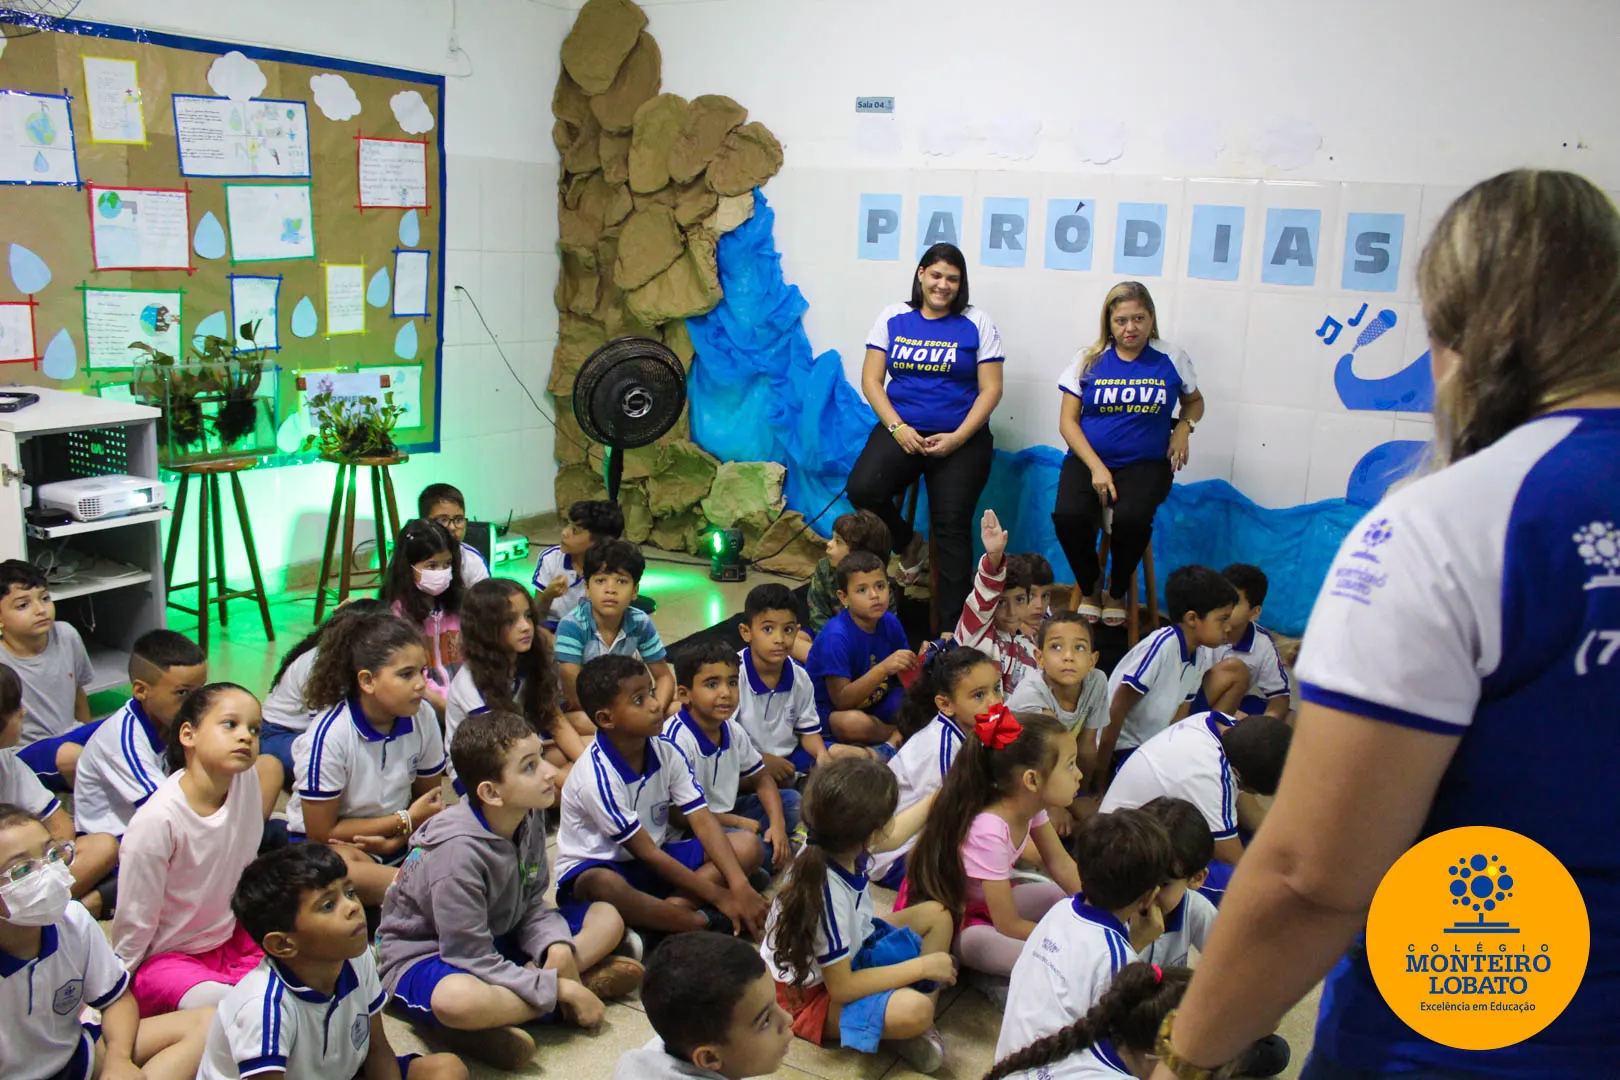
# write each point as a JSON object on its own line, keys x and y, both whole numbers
{"x": 20, "y": 786}
{"x": 122, "y": 765}
{"x": 846, "y": 923}
{"x": 41, "y": 997}
{"x": 1069, "y": 960}
{"x": 933, "y": 364}
{"x": 473, "y": 567}
{"x": 1127, "y": 407}
{"x": 605, "y": 802}
{"x": 342, "y": 756}
{"x": 553, "y": 561}
{"x": 1483, "y": 602}
{"x": 1185, "y": 929}
{"x": 719, "y": 767}
{"x": 1164, "y": 669}
{"x": 775, "y": 719}
{"x": 1185, "y": 761}
{"x": 271, "y": 1022}
{"x": 1267, "y": 677}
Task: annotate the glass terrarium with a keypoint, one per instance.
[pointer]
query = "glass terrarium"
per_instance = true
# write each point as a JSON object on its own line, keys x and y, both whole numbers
{"x": 218, "y": 405}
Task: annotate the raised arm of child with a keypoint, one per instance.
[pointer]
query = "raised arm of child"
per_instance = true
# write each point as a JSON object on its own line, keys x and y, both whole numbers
{"x": 978, "y": 617}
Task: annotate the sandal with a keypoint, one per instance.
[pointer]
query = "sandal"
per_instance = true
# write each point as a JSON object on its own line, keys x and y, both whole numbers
{"x": 1113, "y": 613}
{"x": 1089, "y": 610}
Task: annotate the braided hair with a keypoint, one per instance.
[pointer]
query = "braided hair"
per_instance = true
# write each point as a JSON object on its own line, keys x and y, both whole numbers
{"x": 1128, "y": 1014}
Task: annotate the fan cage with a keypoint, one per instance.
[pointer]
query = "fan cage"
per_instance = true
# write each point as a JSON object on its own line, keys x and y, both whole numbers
{"x": 629, "y": 393}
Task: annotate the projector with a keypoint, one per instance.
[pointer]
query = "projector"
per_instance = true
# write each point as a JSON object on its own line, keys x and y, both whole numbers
{"x": 98, "y": 497}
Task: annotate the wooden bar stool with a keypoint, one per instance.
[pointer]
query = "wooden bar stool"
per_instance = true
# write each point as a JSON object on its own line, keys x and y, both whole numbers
{"x": 1133, "y": 607}
{"x": 908, "y": 499}
{"x": 210, "y": 519}
{"x": 382, "y": 487}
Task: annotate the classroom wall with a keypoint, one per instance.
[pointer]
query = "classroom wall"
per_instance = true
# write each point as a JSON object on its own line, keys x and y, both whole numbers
{"x": 1213, "y": 105}
{"x": 501, "y": 239}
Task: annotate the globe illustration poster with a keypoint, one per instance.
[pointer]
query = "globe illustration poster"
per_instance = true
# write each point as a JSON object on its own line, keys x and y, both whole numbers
{"x": 39, "y": 145}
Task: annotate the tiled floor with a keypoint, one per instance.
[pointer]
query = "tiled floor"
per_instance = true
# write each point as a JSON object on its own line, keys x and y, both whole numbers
{"x": 687, "y": 601}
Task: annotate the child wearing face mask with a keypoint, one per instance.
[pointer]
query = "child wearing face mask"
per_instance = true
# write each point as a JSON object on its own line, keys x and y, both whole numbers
{"x": 424, "y": 586}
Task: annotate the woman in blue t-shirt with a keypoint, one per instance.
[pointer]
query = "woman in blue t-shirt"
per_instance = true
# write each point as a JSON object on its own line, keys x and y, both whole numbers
{"x": 1465, "y": 603}
{"x": 1118, "y": 417}
{"x": 942, "y": 359}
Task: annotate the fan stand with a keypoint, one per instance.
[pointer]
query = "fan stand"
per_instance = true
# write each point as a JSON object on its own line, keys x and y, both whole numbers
{"x": 612, "y": 471}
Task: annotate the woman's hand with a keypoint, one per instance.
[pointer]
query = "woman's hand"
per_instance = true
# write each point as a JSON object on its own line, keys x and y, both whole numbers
{"x": 1102, "y": 482}
{"x": 909, "y": 440}
{"x": 944, "y": 444}
{"x": 1180, "y": 439}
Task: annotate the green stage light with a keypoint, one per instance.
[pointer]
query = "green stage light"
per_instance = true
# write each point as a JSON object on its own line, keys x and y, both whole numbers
{"x": 726, "y": 559}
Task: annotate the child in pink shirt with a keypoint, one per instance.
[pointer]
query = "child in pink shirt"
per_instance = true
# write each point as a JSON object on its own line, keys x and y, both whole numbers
{"x": 424, "y": 587}
{"x": 185, "y": 849}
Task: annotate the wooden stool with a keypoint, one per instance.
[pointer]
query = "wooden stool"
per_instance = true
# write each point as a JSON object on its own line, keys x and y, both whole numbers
{"x": 343, "y": 510}
{"x": 909, "y": 513}
{"x": 1133, "y": 626}
{"x": 209, "y": 517}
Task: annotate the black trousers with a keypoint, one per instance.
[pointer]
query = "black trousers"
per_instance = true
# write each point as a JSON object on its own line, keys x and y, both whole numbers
{"x": 955, "y": 483}
{"x": 1078, "y": 516}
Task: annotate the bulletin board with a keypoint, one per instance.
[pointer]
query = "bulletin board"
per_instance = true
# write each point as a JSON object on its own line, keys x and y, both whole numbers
{"x": 160, "y": 188}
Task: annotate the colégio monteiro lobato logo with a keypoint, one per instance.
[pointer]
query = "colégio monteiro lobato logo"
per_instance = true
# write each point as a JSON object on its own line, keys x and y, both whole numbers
{"x": 1353, "y": 581}
{"x": 1478, "y": 938}
{"x": 1598, "y": 545}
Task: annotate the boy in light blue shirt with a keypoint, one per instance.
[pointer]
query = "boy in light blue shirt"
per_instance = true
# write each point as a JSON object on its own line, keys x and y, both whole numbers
{"x": 605, "y": 622}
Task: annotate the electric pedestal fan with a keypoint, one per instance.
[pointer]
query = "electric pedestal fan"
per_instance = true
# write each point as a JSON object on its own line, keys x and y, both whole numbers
{"x": 19, "y": 18}
{"x": 628, "y": 393}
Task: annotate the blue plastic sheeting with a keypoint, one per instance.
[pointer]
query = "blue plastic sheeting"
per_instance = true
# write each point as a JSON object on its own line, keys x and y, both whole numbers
{"x": 759, "y": 393}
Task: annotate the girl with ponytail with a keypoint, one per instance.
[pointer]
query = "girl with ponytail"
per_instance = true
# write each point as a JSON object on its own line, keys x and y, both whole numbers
{"x": 1115, "y": 1036}
{"x": 842, "y": 974}
{"x": 1010, "y": 773}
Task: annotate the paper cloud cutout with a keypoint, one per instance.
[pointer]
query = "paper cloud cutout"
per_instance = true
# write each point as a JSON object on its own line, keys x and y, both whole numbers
{"x": 1289, "y": 143}
{"x": 412, "y": 112}
{"x": 1194, "y": 140}
{"x": 334, "y": 96}
{"x": 28, "y": 271}
{"x": 410, "y": 230}
{"x": 1098, "y": 141}
{"x": 236, "y": 77}
{"x": 61, "y": 359}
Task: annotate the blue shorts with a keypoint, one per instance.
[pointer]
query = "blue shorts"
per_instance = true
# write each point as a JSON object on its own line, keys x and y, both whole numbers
{"x": 41, "y": 756}
{"x": 802, "y": 759}
{"x": 84, "y": 1056}
{"x": 896, "y": 876}
{"x": 750, "y": 807}
{"x": 277, "y": 741}
{"x": 396, "y": 859}
{"x": 1120, "y": 758}
{"x": 689, "y": 853}
{"x": 414, "y": 994}
{"x": 1214, "y": 886}
{"x": 860, "y": 1025}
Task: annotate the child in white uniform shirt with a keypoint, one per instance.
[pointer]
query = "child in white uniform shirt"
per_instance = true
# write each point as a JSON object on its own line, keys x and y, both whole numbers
{"x": 444, "y": 504}
{"x": 367, "y": 772}
{"x": 55, "y": 960}
{"x": 559, "y": 581}
{"x": 313, "y": 1007}
{"x": 1269, "y": 690}
{"x": 776, "y": 702}
{"x": 285, "y": 715}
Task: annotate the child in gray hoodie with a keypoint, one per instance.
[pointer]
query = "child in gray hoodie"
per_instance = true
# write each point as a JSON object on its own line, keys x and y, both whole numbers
{"x": 468, "y": 943}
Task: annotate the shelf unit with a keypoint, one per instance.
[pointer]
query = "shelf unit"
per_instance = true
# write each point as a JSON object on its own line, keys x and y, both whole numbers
{"x": 117, "y": 595}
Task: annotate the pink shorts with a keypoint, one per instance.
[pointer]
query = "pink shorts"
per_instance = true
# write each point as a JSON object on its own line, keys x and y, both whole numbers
{"x": 163, "y": 980}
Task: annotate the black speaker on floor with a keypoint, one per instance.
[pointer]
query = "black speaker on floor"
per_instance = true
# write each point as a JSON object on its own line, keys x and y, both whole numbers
{"x": 481, "y": 538}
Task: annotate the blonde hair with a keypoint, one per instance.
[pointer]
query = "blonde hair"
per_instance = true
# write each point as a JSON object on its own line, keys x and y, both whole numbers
{"x": 1125, "y": 290}
{"x": 1522, "y": 280}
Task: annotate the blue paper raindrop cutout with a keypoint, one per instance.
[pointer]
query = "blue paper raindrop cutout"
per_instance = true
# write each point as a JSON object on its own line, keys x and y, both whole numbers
{"x": 304, "y": 320}
{"x": 28, "y": 271}
{"x": 209, "y": 239}
{"x": 40, "y": 164}
{"x": 61, "y": 359}
{"x": 410, "y": 230}
{"x": 377, "y": 292}
{"x": 216, "y": 325}
{"x": 405, "y": 342}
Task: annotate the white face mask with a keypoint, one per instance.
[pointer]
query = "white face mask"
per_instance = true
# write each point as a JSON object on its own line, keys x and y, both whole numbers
{"x": 39, "y": 899}
{"x": 433, "y": 582}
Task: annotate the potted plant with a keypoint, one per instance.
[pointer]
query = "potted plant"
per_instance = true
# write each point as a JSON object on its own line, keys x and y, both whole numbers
{"x": 218, "y": 390}
{"x": 352, "y": 427}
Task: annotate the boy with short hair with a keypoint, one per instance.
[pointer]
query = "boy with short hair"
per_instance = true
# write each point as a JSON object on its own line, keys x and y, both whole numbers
{"x": 776, "y": 701}
{"x": 313, "y": 1006}
{"x": 614, "y": 842}
{"x": 730, "y": 770}
{"x": 1079, "y": 945}
{"x": 1268, "y": 691}
{"x": 858, "y": 657}
{"x": 444, "y": 503}
{"x": 54, "y": 666}
{"x": 468, "y": 943}
{"x": 712, "y": 1002}
{"x": 55, "y": 960}
{"x": 1069, "y": 686}
{"x": 559, "y": 584}
{"x": 1156, "y": 681}
{"x": 608, "y": 623}
{"x": 860, "y": 531}
{"x": 126, "y": 759}
{"x": 992, "y": 620}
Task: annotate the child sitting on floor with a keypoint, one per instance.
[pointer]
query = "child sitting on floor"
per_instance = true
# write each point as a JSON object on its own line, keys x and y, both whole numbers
{"x": 183, "y": 852}
{"x": 614, "y": 842}
{"x": 776, "y": 703}
{"x": 54, "y": 666}
{"x": 737, "y": 788}
{"x": 469, "y": 944}
{"x": 1268, "y": 690}
{"x": 858, "y": 657}
{"x": 95, "y": 855}
{"x": 845, "y": 976}
{"x": 1012, "y": 771}
{"x": 1115, "y": 1037}
{"x": 56, "y": 961}
{"x": 424, "y": 587}
{"x": 559, "y": 578}
{"x": 993, "y": 618}
{"x": 313, "y": 1006}
{"x": 606, "y": 623}
{"x": 285, "y": 715}
{"x": 1038, "y": 572}
{"x": 712, "y": 1002}
{"x": 860, "y": 531}
{"x": 444, "y": 505}
{"x": 1070, "y": 687}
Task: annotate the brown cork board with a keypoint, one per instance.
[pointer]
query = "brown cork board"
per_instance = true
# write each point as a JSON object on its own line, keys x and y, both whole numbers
{"x": 54, "y": 221}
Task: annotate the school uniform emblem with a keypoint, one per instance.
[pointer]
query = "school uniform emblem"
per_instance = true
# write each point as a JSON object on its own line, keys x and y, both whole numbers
{"x": 357, "y": 1030}
{"x": 67, "y": 997}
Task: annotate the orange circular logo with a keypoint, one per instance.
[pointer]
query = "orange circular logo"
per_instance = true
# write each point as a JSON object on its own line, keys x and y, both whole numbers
{"x": 1478, "y": 938}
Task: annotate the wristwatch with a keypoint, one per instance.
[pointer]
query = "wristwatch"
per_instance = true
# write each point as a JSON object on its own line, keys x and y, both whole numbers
{"x": 1179, "y": 1066}
{"x": 1191, "y": 427}
{"x": 896, "y": 426}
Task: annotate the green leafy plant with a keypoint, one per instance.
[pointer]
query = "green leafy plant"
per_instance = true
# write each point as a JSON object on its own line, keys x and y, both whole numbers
{"x": 352, "y": 427}
{"x": 218, "y": 373}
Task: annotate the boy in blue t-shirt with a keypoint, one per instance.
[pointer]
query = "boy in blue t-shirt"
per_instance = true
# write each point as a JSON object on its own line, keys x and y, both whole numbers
{"x": 857, "y": 658}
{"x": 606, "y": 623}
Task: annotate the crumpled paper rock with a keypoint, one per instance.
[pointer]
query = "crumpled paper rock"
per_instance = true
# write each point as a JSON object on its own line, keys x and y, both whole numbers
{"x": 658, "y": 123}
{"x": 603, "y": 35}
{"x": 690, "y": 286}
{"x": 711, "y": 119}
{"x": 638, "y": 80}
{"x": 745, "y": 493}
{"x": 749, "y": 156}
{"x": 798, "y": 559}
{"x": 684, "y": 475}
{"x": 649, "y": 242}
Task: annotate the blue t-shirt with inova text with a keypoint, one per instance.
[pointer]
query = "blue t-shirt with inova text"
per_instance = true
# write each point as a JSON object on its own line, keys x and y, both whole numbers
{"x": 1127, "y": 407}
{"x": 933, "y": 364}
